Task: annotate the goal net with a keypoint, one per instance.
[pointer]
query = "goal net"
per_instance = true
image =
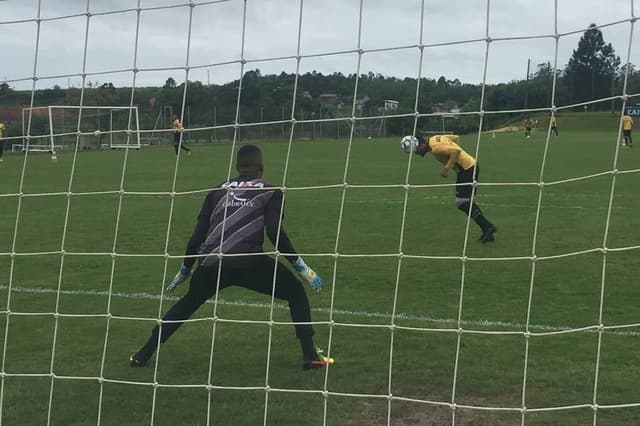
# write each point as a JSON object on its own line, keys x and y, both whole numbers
{"x": 53, "y": 127}
{"x": 536, "y": 325}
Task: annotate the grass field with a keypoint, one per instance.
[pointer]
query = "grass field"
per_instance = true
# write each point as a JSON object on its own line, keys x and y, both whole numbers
{"x": 567, "y": 291}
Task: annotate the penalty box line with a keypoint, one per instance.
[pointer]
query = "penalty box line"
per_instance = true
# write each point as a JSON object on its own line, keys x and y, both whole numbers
{"x": 281, "y": 306}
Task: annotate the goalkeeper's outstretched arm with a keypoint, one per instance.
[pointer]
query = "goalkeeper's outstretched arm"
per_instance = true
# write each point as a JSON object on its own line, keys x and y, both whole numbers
{"x": 197, "y": 238}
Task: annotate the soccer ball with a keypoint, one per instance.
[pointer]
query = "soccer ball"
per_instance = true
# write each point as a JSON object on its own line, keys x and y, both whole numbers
{"x": 409, "y": 144}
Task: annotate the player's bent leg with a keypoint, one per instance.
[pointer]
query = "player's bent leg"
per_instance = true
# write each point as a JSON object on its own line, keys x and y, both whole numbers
{"x": 259, "y": 277}
{"x": 488, "y": 228}
{"x": 289, "y": 288}
{"x": 201, "y": 288}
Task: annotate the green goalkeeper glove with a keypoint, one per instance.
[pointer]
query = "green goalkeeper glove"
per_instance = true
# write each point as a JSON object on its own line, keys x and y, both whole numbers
{"x": 180, "y": 277}
{"x": 309, "y": 275}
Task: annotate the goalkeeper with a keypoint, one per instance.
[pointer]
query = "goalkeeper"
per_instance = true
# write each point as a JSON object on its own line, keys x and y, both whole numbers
{"x": 446, "y": 150}
{"x": 232, "y": 221}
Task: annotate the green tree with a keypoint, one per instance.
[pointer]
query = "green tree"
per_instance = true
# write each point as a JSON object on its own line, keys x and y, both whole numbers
{"x": 106, "y": 94}
{"x": 170, "y": 83}
{"x": 591, "y": 68}
{"x": 5, "y": 89}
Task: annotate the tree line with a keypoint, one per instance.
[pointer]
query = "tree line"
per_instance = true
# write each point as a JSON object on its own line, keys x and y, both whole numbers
{"x": 593, "y": 72}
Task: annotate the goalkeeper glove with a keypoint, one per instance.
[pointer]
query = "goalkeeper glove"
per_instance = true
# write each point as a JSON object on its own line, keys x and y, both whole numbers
{"x": 181, "y": 276}
{"x": 309, "y": 275}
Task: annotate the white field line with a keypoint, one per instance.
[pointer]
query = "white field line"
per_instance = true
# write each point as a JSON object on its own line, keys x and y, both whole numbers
{"x": 442, "y": 200}
{"x": 505, "y": 325}
{"x": 440, "y": 197}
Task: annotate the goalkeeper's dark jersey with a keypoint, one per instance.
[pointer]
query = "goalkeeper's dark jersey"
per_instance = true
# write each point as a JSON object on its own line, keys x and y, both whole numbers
{"x": 233, "y": 220}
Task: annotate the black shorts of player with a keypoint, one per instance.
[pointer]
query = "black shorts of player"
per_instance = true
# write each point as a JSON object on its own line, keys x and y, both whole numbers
{"x": 464, "y": 182}
{"x": 176, "y": 138}
{"x": 626, "y": 133}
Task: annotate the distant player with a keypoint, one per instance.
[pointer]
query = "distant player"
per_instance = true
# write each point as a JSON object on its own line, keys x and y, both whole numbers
{"x": 627, "y": 125}
{"x": 1, "y": 140}
{"x": 554, "y": 124}
{"x": 177, "y": 127}
{"x": 528, "y": 125}
{"x": 233, "y": 220}
{"x": 446, "y": 150}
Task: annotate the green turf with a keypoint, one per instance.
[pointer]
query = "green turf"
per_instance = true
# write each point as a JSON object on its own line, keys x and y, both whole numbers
{"x": 566, "y": 291}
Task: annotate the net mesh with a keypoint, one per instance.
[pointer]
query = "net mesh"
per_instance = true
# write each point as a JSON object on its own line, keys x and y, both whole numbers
{"x": 295, "y": 121}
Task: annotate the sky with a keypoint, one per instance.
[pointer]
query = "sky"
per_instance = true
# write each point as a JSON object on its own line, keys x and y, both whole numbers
{"x": 210, "y": 38}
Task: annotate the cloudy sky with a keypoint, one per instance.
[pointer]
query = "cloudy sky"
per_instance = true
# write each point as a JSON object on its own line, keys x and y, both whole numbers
{"x": 330, "y": 31}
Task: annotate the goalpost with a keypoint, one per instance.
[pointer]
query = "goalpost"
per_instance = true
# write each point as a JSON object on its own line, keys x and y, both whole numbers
{"x": 112, "y": 386}
{"x": 61, "y": 124}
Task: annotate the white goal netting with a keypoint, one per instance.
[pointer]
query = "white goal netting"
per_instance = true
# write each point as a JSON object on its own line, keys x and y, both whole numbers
{"x": 101, "y": 127}
{"x": 540, "y": 327}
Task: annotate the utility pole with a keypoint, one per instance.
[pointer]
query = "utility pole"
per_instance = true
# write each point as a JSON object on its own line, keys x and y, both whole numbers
{"x": 526, "y": 85}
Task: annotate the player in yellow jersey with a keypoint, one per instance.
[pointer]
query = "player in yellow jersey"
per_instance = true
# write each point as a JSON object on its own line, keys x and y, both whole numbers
{"x": 627, "y": 125}
{"x": 1, "y": 140}
{"x": 446, "y": 150}
{"x": 177, "y": 127}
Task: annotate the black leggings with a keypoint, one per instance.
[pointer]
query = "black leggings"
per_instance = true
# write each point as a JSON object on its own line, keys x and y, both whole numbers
{"x": 177, "y": 145}
{"x": 256, "y": 275}
{"x": 1, "y": 148}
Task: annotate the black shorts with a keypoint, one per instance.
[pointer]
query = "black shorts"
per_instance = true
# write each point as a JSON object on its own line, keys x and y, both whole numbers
{"x": 176, "y": 138}
{"x": 464, "y": 182}
{"x": 626, "y": 133}
{"x": 256, "y": 274}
